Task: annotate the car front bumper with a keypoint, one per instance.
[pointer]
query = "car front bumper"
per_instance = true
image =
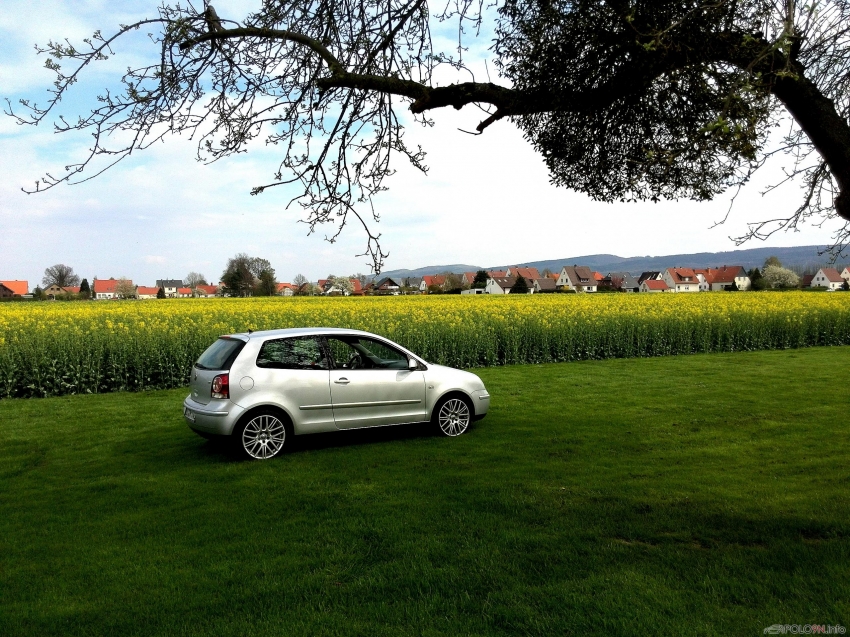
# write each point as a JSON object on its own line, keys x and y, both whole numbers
{"x": 481, "y": 402}
{"x": 217, "y": 417}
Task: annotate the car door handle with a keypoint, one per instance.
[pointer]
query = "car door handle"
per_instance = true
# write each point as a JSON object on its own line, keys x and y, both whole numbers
{"x": 342, "y": 381}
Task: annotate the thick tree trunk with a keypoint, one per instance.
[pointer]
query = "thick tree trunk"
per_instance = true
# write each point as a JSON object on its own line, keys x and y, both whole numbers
{"x": 824, "y": 126}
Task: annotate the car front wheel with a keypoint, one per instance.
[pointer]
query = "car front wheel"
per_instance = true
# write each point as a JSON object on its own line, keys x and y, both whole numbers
{"x": 452, "y": 416}
{"x": 261, "y": 436}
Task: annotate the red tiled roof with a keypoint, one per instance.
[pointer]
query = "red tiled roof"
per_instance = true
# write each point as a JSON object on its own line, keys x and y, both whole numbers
{"x": 726, "y": 274}
{"x": 146, "y": 290}
{"x": 555, "y": 275}
{"x": 807, "y": 280}
{"x": 437, "y": 279}
{"x": 654, "y": 284}
{"x": 72, "y": 289}
{"x": 832, "y": 275}
{"x": 208, "y": 289}
{"x": 597, "y": 275}
{"x": 104, "y": 286}
{"x": 526, "y": 273}
{"x": 683, "y": 275}
{"x": 184, "y": 290}
{"x": 355, "y": 286}
{"x": 17, "y": 287}
{"x": 496, "y": 274}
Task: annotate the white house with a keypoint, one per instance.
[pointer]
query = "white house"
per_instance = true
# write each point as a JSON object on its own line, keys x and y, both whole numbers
{"x": 105, "y": 289}
{"x": 170, "y": 287}
{"x": 654, "y": 285}
{"x": 578, "y": 278}
{"x": 681, "y": 280}
{"x": 500, "y": 285}
{"x": 828, "y": 278}
{"x": 728, "y": 277}
{"x": 438, "y": 280}
{"x": 146, "y": 292}
{"x": 845, "y": 273}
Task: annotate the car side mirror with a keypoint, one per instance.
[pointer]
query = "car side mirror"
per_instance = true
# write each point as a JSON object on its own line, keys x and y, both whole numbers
{"x": 412, "y": 364}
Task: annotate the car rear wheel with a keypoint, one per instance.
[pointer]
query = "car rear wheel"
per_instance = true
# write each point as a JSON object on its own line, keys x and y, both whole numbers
{"x": 260, "y": 436}
{"x": 453, "y": 416}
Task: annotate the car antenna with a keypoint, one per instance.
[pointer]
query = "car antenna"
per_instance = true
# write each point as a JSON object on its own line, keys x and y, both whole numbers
{"x": 250, "y": 331}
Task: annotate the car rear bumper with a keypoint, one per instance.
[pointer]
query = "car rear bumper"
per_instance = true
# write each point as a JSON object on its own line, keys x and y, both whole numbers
{"x": 216, "y": 418}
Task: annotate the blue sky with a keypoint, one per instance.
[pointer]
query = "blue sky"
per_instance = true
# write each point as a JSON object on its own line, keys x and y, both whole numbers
{"x": 486, "y": 200}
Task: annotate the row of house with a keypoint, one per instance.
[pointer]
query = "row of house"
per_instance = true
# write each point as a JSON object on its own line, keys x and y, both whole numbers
{"x": 678, "y": 280}
{"x": 570, "y": 278}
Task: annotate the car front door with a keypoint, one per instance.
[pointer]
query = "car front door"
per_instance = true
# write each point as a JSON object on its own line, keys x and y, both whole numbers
{"x": 372, "y": 385}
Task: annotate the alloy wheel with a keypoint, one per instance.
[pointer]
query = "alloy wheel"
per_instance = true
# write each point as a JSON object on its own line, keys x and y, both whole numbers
{"x": 453, "y": 417}
{"x": 263, "y": 437}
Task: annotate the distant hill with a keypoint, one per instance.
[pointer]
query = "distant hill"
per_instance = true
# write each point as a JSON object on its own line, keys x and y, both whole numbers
{"x": 431, "y": 269}
{"x": 798, "y": 256}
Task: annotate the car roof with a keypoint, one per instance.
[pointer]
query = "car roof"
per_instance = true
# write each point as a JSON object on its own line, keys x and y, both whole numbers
{"x": 303, "y": 331}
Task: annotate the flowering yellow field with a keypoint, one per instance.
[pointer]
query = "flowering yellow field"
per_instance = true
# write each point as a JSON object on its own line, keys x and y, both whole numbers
{"x": 58, "y": 348}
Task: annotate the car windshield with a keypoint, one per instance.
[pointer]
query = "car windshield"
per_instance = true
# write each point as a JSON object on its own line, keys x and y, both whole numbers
{"x": 221, "y": 354}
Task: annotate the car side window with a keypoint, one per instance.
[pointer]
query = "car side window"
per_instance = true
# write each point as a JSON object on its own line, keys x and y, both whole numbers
{"x": 364, "y": 353}
{"x": 292, "y": 353}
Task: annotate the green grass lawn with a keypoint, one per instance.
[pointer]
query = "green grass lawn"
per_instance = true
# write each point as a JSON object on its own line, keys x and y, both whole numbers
{"x": 697, "y": 495}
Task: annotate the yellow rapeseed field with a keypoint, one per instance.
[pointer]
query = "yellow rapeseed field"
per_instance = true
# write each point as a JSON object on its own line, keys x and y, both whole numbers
{"x": 53, "y": 348}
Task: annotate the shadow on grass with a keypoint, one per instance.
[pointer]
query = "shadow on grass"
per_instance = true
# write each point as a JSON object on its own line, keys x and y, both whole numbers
{"x": 221, "y": 449}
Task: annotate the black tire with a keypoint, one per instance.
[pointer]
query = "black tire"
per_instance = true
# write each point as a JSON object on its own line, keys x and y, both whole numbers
{"x": 261, "y": 435}
{"x": 452, "y": 415}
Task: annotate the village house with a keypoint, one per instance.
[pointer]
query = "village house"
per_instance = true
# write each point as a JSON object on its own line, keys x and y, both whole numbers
{"x": 146, "y": 292}
{"x": 8, "y": 289}
{"x": 412, "y": 283}
{"x": 385, "y": 287}
{"x": 728, "y": 277}
{"x": 845, "y": 274}
{"x": 681, "y": 279}
{"x": 103, "y": 289}
{"x": 828, "y": 278}
{"x": 704, "y": 278}
{"x": 654, "y": 285}
{"x": 204, "y": 291}
{"x": 621, "y": 281}
{"x": 500, "y": 284}
{"x": 53, "y": 290}
{"x": 170, "y": 287}
{"x": 468, "y": 278}
{"x": 529, "y": 274}
{"x": 285, "y": 289}
{"x": 578, "y": 278}
{"x": 544, "y": 284}
{"x": 438, "y": 280}
{"x": 652, "y": 275}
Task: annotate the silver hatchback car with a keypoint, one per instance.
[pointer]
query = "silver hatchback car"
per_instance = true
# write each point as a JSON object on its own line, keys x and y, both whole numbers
{"x": 261, "y": 387}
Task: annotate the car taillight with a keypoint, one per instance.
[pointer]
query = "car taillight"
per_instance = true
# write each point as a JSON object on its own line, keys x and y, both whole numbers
{"x": 221, "y": 386}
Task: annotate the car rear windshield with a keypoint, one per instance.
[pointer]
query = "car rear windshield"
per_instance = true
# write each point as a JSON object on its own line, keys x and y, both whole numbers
{"x": 221, "y": 354}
